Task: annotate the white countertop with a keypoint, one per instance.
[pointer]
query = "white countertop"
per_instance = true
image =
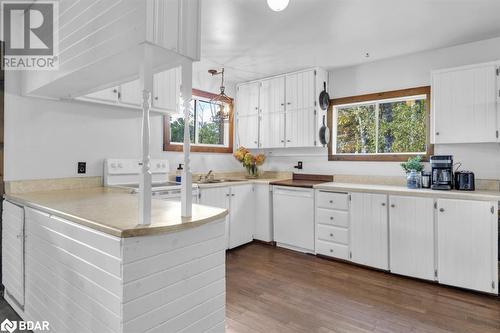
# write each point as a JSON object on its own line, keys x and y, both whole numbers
{"x": 401, "y": 190}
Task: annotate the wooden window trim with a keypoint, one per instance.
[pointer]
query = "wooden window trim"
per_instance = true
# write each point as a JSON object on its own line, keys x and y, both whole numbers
{"x": 168, "y": 146}
{"x": 426, "y": 90}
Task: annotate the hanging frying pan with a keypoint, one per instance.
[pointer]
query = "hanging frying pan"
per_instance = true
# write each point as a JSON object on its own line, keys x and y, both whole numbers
{"x": 324, "y": 134}
{"x": 324, "y": 98}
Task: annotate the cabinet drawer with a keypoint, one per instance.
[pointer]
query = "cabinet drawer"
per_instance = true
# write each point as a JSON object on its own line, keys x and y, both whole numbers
{"x": 332, "y": 234}
{"x": 333, "y": 200}
{"x": 332, "y": 250}
{"x": 333, "y": 217}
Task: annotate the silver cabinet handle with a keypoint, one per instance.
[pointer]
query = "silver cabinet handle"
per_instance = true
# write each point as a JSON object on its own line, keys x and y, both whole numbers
{"x": 331, "y": 235}
{"x": 437, "y": 133}
{"x": 441, "y": 210}
{"x": 282, "y": 104}
{"x": 289, "y": 103}
{"x": 393, "y": 205}
{"x": 288, "y": 140}
{"x": 331, "y": 218}
{"x": 383, "y": 204}
{"x": 255, "y": 142}
{"x": 331, "y": 250}
{"x": 331, "y": 201}
{"x": 282, "y": 140}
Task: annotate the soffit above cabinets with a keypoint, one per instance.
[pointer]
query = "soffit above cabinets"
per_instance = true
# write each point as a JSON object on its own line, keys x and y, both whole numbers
{"x": 104, "y": 47}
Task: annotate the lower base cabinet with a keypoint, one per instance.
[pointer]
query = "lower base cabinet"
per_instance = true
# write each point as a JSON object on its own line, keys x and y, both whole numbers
{"x": 467, "y": 244}
{"x": 293, "y": 218}
{"x": 369, "y": 230}
{"x": 239, "y": 200}
{"x": 411, "y": 231}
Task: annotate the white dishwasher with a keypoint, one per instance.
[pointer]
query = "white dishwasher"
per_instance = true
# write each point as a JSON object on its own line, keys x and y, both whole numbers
{"x": 293, "y": 218}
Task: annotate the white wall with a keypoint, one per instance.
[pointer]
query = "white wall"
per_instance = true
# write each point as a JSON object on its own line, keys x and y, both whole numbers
{"x": 46, "y": 139}
{"x": 392, "y": 74}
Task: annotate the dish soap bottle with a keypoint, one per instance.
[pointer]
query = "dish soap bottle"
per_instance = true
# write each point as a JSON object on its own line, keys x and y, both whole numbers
{"x": 178, "y": 173}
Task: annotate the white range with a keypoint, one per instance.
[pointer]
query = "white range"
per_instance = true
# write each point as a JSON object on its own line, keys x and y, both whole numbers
{"x": 125, "y": 173}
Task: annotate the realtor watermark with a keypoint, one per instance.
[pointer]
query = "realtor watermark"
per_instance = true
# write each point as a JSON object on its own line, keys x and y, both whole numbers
{"x": 30, "y": 31}
{"x": 12, "y": 325}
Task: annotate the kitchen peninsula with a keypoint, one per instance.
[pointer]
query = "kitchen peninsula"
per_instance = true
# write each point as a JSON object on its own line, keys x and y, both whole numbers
{"x": 89, "y": 265}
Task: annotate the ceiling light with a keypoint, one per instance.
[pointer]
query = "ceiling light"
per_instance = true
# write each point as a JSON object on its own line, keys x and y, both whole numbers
{"x": 277, "y": 5}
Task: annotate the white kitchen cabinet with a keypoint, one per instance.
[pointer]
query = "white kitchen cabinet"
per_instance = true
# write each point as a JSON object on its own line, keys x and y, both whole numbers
{"x": 332, "y": 224}
{"x": 464, "y": 104}
{"x": 280, "y": 111}
{"x": 411, "y": 230}
{"x": 263, "y": 228}
{"x": 467, "y": 244}
{"x": 248, "y": 131}
{"x": 109, "y": 95}
{"x": 166, "y": 90}
{"x": 217, "y": 197}
{"x": 369, "y": 230}
{"x": 272, "y": 108}
{"x": 247, "y": 99}
{"x": 293, "y": 218}
{"x": 241, "y": 220}
{"x": 300, "y": 115}
{"x": 247, "y": 109}
{"x": 13, "y": 251}
{"x": 239, "y": 200}
{"x": 130, "y": 93}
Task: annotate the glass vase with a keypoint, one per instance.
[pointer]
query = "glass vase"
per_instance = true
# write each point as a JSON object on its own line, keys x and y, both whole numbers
{"x": 252, "y": 171}
{"x": 413, "y": 180}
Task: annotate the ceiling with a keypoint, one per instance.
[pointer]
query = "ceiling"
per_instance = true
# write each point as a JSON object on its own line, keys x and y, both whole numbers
{"x": 251, "y": 41}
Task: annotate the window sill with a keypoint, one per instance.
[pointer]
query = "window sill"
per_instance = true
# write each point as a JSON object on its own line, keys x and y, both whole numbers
{"x": 378, "y": 158}
{"x": 198, "y": 149}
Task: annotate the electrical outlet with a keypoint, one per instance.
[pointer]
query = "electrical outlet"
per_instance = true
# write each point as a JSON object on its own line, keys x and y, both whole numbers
{"x": 82, "y": 167}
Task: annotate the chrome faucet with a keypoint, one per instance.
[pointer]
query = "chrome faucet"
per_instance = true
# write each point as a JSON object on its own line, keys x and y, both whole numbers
{"x": 207, "y": 176}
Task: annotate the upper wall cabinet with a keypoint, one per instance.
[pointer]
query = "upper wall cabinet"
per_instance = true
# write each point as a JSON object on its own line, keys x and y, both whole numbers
{"x": 102, "y": 44}
{"x": 165, "y": 98}
{"x": 465, "y": 104}
{"x": 281, "y": 111}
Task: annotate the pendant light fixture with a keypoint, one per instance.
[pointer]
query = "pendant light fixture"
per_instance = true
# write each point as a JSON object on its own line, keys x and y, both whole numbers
{"x": 277, "y": 5}
{"x": 219, "y": 103}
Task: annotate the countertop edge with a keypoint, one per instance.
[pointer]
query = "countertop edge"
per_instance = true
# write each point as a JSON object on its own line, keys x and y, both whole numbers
{"x": 395, "y": 190}
{"x": 127, "y": 233}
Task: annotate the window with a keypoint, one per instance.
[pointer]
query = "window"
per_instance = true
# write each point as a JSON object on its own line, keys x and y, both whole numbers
{"x": 389, "y": 126}
{"x": 208, "y": 131}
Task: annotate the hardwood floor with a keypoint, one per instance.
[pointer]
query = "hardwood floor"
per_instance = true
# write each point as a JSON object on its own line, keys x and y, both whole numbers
{"x": 276, "y": 290}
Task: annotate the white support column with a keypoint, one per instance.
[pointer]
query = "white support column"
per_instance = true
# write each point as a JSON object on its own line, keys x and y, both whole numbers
{"x": 145, "y": 195}
{"x": 187, "y": 95}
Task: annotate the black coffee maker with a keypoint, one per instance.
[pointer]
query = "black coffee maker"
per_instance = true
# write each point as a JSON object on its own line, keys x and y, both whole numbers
{"x": 442, "y": 172}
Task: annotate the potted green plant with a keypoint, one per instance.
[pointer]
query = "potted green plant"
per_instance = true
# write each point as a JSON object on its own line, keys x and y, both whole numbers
{"x": 413, "y": 168}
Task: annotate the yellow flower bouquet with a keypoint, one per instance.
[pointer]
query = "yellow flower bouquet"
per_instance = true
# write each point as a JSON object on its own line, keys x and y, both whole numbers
{"x": 250, "y": 162}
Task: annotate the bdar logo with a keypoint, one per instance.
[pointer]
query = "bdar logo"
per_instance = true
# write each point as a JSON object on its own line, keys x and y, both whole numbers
{"x": 8, "y": 326}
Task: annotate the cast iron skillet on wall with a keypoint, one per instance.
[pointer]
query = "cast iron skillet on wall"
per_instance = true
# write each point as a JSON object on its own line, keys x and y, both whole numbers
{"x": 324, "y": 102}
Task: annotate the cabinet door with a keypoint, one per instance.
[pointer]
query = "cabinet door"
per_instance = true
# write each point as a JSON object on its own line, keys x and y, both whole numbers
{"x": 467, "y": 244}
{"x": 293, "y": 217}
{"x": 247, "y": 99}
{"x": 411, "y": 230}
{"x": 166, "y": 90}
{"x": 248, "y": 131}
{"x": 300, "y": 125}
{"x": 369, "y": 230}
{"x": 106, "y": 95}
{"x": 241, "y": 209}
{"x": 272, "y": 107}
{"x": 130, "y": 93}
{"x": 217, "y": 197}
{"x": 300, "y": 110}
{"x": 263, "y": 227}
{"x": 464, "y": 105}
{"x": 13, "y": 251}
